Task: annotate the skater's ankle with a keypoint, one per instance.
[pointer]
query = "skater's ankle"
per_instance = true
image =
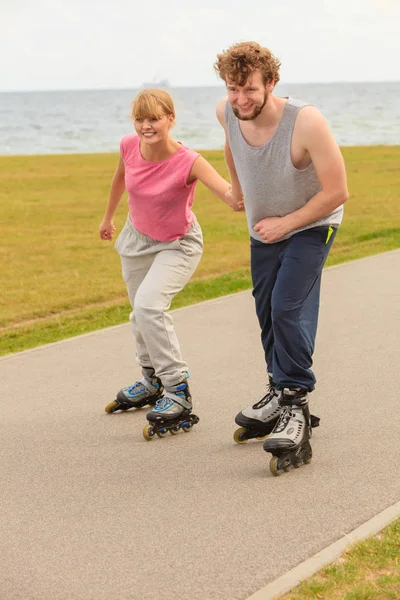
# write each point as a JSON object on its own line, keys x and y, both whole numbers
{"x": 181, "y": 384}
{"x": 293, "y": 391}
{"x": 153, "y": 383}
{"x": 293, "y": 396}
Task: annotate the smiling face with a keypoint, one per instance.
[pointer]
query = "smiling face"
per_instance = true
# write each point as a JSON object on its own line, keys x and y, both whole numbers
{"x": 248, "y": 100}
{"x": 153, "y": 115}
{"x": 152, "y": 130}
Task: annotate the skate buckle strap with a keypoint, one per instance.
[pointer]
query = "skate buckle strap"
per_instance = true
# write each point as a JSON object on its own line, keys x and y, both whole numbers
{"x": 175, "y": 396}
{"x": 179, "y": 399}
{"x": 293, "y": 397}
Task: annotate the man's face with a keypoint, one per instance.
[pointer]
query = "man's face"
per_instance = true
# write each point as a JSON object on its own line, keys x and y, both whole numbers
{"x": 248, "y": 100}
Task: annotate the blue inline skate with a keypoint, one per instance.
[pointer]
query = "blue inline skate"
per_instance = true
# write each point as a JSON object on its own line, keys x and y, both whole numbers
{"x": 172, "y": 413}
{"x": 142, "y": 393}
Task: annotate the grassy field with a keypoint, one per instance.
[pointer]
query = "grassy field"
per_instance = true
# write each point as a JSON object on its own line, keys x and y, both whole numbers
{"x": 369, "y": 570}
{"x": 58, "y": 279}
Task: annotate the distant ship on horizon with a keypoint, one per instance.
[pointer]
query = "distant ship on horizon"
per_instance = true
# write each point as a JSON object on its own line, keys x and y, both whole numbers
{"x": 162, "y": 83}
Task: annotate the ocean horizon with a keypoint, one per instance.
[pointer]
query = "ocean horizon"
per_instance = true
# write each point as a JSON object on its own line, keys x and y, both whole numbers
{"x": 95, "y": 120}
{"x": 219, "y": 86}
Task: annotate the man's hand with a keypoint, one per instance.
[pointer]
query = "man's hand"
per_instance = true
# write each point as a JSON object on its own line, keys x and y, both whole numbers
{"x": 272, "y": 229}
{"x": 106, "y": 229}
{"x": 235, "y": 201}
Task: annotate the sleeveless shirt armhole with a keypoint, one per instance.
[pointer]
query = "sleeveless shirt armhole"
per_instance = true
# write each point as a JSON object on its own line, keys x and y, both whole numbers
{"x": 294, "y": 118}
{"x": 297, "y": 110}
{"x": 229, "y": 121}
{"x": 192, "y": 156}
{"x": 128, "y": 145}
{"x": 226, "y": 113}
{"x": 122, "y": 148}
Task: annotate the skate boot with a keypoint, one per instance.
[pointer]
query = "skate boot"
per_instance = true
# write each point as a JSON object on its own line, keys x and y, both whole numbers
{"x": 289, "y": 441}
{"x": 171, "y": 413}
{"x": 142, "y": 393}
{"x": 258, "y": 421}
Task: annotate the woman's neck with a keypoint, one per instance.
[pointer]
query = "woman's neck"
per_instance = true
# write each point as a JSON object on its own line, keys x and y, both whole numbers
{"x": 160, "y": 151}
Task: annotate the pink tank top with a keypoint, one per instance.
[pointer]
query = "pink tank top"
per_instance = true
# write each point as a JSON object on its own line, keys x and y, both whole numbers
{"x": 160, "y": 201}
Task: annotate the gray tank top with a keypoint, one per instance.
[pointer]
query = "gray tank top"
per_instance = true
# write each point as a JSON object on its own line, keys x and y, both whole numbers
{"x": 271, "y": 185}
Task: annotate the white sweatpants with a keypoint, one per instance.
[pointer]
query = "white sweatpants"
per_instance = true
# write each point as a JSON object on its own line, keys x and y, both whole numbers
{"x": 154, "y": 272}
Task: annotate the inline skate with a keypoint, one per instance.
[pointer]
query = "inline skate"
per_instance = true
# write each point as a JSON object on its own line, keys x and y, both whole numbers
{"x": 171, "y": 413}
{"x": 142, "y": 393}
{"x": 289, "y": 441}
{"x": 258, "y": 420}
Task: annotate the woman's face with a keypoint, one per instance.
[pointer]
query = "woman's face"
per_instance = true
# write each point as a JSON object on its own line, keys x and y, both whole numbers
{"x": 153, "y": 130}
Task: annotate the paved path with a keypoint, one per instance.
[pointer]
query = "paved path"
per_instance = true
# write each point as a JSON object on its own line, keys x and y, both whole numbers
{"x": 91, "y": 511}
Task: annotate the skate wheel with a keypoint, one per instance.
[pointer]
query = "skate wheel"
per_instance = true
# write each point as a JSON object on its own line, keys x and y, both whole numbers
{"x": 162, "y": 433}
{"x": 112, "y": 407}
{"x": 186, "y": 428}
{"x": 273, "y": 466}
{"x": 262, "y": 437}
{"x": 240, "y": 435}
{"x": 148, "y": 433}
{"x": 174, "y": 430}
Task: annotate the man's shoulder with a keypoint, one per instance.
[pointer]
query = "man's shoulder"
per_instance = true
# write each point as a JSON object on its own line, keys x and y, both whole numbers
{"x": 310, "y": 124}
{"x": 297, "y": 102}
{"x": 220, "y": 110}
{"x": 308, "y": 115}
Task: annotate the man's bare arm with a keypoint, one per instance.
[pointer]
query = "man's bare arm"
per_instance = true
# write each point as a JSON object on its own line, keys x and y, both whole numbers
{"x": 317, "y": 140}
{"x": 327, "y": 159}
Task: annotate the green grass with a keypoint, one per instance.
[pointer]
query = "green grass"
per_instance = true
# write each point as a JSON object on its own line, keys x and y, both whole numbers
{"x": 76, "y": 322}
{"x": 58, "y": 279}
{"x": 368, "y": 570}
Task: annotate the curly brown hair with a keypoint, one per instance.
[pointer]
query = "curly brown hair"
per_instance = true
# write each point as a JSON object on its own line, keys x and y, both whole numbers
{"x": 238, "y": 62}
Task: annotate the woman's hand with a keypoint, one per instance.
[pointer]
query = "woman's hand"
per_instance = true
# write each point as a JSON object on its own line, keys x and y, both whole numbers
{"x": 204, "y": 172}
{"x": 106, "y": 229}
{"x": 235, "y": 200}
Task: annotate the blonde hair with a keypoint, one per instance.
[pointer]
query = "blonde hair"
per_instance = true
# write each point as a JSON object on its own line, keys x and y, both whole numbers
{"x": 153, "y": 104}
{"x": 239, "y": 62}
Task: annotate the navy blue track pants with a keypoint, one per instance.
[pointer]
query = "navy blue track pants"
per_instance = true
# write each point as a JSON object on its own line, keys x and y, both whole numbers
{"x": 286, "y": 287}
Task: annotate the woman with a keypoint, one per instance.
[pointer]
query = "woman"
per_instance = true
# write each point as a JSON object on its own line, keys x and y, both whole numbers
{"x": 160, "y": 247}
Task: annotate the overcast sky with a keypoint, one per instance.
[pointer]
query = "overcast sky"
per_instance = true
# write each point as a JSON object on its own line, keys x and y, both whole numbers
{"x": 82, "y": 44}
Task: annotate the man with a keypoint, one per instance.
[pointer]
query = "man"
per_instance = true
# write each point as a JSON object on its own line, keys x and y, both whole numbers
{"x": 283, "y": 158}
